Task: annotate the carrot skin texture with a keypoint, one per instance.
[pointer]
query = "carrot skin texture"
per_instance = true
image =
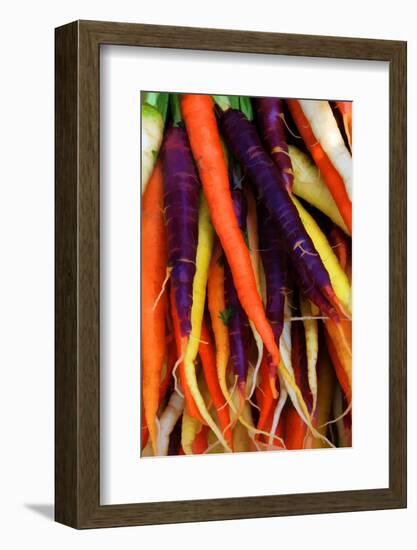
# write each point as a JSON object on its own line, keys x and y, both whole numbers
{"x": 237, "y": 325}
{"x": 254, "y": 253}
{"x": 266, "y": 399}
{"x": 274, "y": 260}
{"x": 181, "y": 191}
{"x": 200, "y": 442}
{"x": 154, "y": 260}
{"x": 326, "y": 386}
{"x": 241, "y": 136}
{"x": 208, "y": 360}
{"x": 299, "y": 361}
{"x": 270, "y": 113}
{"x": 203, "y": 259}
{"x": 341, "y": 358}
{"x": 201, "y": 124}
{"x": 338, "y": 278}
{"x": 331, "y": 176}
{"x": 252, "y": 226}
{"x": 339, "y": 244}
{"x": 216, "y": 305}
{"x": 171, "y": 360}
{"x": 295, "y": 430}
{"x": 190, "y": 405}
{"x": 310, "y": 291}
{"x": 144, "y": 429}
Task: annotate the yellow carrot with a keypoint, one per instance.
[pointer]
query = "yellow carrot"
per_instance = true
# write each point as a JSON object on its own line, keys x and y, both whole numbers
{"x": 203, "y": 257}
{"x": 241, "y": 436}
{"x": 338, "y": 277}
{"x": 324, "y": 127}
{"x": 309, "y": 185}
{"x": 311, "y": 330}
{"x": 190, "y": 426}
{"x": 241, "y": 440}
{"x": 216, "y": 305}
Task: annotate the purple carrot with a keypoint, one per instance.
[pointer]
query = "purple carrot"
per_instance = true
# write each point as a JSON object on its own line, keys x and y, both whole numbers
{"x": 237, "y": 320}
{"x": 310, "y": 291}
{"x": 274, "y": 260}
{"x": 299, "y": 361}
{"x": 181, "y": 189}
{"x": 244, "y": 142}
{"x": 270, "y": 118}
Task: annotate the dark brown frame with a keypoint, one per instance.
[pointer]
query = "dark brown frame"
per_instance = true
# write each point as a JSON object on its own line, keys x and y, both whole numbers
{"x": 77, "y": 274}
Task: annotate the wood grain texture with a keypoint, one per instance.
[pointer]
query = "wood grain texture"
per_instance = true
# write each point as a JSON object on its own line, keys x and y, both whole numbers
{"x": 66, "y": 236}
{"x": 78, "y": 286}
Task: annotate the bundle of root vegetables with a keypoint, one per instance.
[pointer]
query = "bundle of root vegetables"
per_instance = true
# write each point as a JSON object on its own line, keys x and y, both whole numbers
{"x": 246, "y": 274}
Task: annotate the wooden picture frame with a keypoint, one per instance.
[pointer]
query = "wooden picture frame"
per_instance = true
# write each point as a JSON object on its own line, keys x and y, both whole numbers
{"x": 77, "y": 373}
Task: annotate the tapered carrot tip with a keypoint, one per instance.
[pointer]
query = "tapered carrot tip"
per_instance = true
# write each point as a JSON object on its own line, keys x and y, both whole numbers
{"x": 331, "y": 296}
{"x": 242, "y": 397}
{"x": 272, "y": 375}
{"x": 241, "y": 386}
{"x": 272, "y": 384}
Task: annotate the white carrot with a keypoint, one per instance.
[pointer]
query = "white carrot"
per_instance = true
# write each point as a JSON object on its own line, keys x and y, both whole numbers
{"x": 323, "y": 123}
{"x": 168, "y": 420}
{"x": 309, "y": 185}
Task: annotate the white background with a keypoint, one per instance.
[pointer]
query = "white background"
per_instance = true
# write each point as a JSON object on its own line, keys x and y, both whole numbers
{"x": 125, "y": 478}
{"x": 26, "y": 296}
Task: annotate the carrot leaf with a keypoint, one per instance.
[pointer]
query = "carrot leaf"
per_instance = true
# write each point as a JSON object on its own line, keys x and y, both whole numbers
{"x": 175, "y": 109}
{"x": 227, "y": 101}
{"x": 158, "y": 100}
{"x": 245, "y": 105}
{"x": 226, "y": 315}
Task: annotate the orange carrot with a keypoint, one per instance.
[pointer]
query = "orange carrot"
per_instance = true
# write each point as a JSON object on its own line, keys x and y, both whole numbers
{"x": 200, "y": 443}
{"x": 326, "y": 387}
{"x": 154, "y": 258}
{"x": 266, "y": 399}
{"x": 171, "y": 360}
{"x": 200, "y": 121}
{"x": 217, "y": 308}
{"x": 338, "y": 243}
{"x": 295, "y": 429}
{"x": 191, "y": 407}
{"x": 340, "y": 351}
{"x": 278, "y": 443}
{"x": 331, "y": 176}
{"x": 144, "y": 430}
{"x": 280, "y": 431}
{"x": 208, "y": 360}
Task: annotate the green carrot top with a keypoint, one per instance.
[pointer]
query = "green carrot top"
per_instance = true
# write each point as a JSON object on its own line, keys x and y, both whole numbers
{"x": 158, "y": 100}
{"x": 241, "y": 103}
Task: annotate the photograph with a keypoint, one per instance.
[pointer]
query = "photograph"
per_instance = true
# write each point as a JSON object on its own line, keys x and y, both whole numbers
{"x": 246, "y": 273}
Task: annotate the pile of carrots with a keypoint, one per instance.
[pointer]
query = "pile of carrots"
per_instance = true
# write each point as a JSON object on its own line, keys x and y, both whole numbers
{"x": 246, "y": 221}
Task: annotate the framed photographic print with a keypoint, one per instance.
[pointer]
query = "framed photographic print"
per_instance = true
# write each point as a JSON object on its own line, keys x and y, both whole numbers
{"x": 230, "y": 274}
